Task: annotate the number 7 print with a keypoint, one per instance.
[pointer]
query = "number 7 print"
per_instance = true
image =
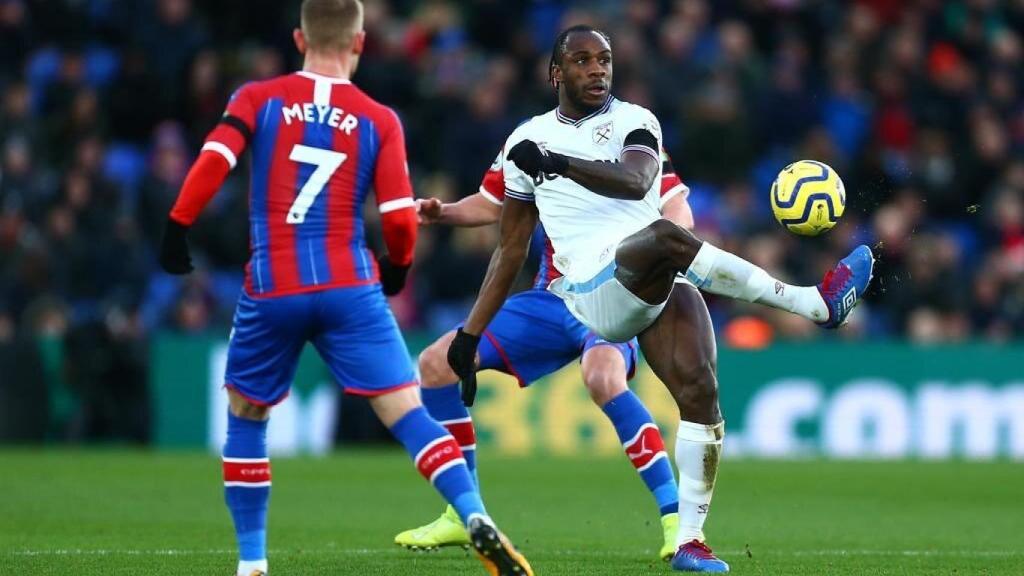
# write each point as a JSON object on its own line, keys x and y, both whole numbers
{"x": 326, "y": 162}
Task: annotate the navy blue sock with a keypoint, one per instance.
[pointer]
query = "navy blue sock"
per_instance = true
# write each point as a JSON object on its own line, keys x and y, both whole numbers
{"x": 247, "y": 484}
{"x": 439, "y": 460}
{"x": 642, "y": 442}
{"x": 445, "y": 405}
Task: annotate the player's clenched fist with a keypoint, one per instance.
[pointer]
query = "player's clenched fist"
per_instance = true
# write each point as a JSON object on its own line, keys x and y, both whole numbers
{"x": 392, "y": 276}
{"x": 462, "y": 359}
{"x": 532, "y": 160}
{"x": 428, "y": 210}
{"x": 174, "y": 256}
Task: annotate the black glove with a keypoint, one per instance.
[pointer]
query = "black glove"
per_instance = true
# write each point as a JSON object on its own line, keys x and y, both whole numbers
{"x": 392, "y": 276}
{"x": 532, "y": 160}
{"x": 462, "y": 359}
{"x": 174, "y": 256}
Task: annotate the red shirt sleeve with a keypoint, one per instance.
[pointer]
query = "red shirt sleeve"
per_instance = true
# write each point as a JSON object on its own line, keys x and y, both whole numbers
{"x": 203, "y": 180}
{"x": 394, "y": 192}
{"x": 391, "y": 178}
{"x": 492, "y": 187}
{"x": 218, "y": 156}
{"x": 231, "y": 136}
{"x": 671, "y": 184}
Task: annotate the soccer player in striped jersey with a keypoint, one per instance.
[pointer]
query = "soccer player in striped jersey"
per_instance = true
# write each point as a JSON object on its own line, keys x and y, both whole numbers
{"x": 318, "y": 144}
{"x": 534, "y": 334}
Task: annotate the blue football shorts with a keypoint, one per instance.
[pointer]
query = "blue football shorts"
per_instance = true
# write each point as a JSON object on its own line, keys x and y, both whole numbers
{"x": 534, "y": 334}
{"x": 352, "y": 329}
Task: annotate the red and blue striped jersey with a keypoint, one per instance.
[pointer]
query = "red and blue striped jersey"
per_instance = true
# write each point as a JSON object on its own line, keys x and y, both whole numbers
{"x": 493, "y": 188}
{"x": 319, "y": 144}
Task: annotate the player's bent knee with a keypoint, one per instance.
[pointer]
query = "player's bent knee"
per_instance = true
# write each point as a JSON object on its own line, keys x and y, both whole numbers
{"x": 667, "y": 232}
{"x": 433, "y": 363}
{"x": 241, "y": 407}
{"x": 604, "y": 374}
{"x": 392, "y": 406}
{"x": 605, "y": 387}
{"x": 664, "y": 229}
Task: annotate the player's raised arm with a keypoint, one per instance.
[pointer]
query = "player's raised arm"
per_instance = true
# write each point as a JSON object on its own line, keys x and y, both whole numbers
{"x": 218, "y": 156}
{"x": 397, "y": 208}
{"x": 480, "y": 209}
{"x": 470, "y": 212}
{"x": 629, "y": 179}
{"x": 518, "y": 220}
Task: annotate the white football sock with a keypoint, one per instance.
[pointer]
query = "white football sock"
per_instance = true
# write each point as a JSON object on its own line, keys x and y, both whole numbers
{"x": 246, "y": 567}
{"x": 698, "y": 448}
{"x": 719, "y": 272}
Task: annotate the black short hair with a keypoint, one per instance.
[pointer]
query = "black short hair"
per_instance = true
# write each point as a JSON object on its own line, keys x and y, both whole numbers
{"x": 558, "y": 49}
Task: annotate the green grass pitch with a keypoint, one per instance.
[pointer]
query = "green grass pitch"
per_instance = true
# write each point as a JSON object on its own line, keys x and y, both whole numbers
{"x": 115, "y": 512}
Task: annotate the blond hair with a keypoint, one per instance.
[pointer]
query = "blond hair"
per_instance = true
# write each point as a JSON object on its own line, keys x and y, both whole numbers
{"x": 331, "y": 25}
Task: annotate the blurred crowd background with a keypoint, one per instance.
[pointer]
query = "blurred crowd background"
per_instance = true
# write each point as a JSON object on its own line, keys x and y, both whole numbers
{"x": 104, "y": 103}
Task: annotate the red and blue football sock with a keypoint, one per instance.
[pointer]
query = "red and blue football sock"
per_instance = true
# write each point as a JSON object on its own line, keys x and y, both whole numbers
{"x": 445, "y": 405}
{"x": 439, "y": 460}
{"x": 247, "y": 485}
{"x": 642, "y": 442}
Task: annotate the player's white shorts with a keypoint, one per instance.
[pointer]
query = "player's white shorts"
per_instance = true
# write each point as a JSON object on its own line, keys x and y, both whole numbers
{"x": 605, "y": 306}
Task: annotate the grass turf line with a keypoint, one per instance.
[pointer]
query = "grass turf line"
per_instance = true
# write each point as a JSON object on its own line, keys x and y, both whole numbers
{"x": 114, "y": 512}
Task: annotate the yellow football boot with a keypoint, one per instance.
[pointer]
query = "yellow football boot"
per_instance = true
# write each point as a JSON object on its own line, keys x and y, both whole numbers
{"x": 669, "y": 527}
{"x": 445, "y": 531}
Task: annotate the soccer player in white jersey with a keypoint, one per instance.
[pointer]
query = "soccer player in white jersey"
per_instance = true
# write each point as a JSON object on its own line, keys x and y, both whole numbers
{"x": 534, "y": 335}
{"x": 588, "y": 170}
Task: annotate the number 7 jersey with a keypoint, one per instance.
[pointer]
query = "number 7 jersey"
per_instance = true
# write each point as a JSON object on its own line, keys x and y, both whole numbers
{"x": 318, "y": 145}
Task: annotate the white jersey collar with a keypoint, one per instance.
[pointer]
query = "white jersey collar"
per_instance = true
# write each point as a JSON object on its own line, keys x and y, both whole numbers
{"x": 577, "y": 123}
{"x": 322, "y": 78}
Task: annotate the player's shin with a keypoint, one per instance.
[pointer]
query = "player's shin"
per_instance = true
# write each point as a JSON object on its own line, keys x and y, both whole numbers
{"x": 438, "y": 458}
{"x": 644, "y": 447}
{"x": 720, "y": 272}
{"x": 698, "y": 449}
{"x": 247, "y": 489}
{"x": 445, "y": 405}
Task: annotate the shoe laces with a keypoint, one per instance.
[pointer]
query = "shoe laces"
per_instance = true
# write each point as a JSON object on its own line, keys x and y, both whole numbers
{"x": 699, "y": 549}
{"x": 835, "y": 280}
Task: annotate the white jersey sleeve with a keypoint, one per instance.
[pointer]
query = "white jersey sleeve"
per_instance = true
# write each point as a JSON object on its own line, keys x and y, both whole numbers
{"x": 633, "y": 117}
{"x": 518, "y": 184}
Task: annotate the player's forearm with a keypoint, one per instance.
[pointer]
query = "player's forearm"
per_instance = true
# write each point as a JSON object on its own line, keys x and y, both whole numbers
{"x": 203, "y": 180}
{"x": 677, "y": 210}
{"x": 399, "y": 229}
{"x": 470, "y": 212}
{"x": 612, "y": 179}
{"x": 684, "y": 217}
{"x": 501, "y": 273}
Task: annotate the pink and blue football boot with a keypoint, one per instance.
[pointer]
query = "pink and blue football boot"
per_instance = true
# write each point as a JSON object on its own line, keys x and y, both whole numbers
{"x": 844, "y": 285}
{"x": 695, "y": 556}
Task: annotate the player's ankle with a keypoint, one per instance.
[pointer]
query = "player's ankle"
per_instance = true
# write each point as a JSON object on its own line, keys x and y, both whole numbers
{"x": 247, "y": 567}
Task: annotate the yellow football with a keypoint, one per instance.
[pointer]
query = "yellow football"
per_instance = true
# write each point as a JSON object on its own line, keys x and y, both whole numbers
{"x": 808, "y": 197}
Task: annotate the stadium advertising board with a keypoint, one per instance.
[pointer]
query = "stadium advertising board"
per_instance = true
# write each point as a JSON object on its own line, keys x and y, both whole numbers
{"x": 874, "y": 401}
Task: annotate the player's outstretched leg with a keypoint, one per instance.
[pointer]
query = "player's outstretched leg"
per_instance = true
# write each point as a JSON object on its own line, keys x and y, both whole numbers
{"x": 680, "y": 349}
{"x": 443, "y": 401}
{"x": 440, "y": 461}
{"x": 247, "y": 482}
{"x": 605, "y": 375}
{"x": 648, "y": 260}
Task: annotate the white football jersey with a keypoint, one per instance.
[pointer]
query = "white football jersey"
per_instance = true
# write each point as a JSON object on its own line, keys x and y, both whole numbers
{"x": 585, "y": 228}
